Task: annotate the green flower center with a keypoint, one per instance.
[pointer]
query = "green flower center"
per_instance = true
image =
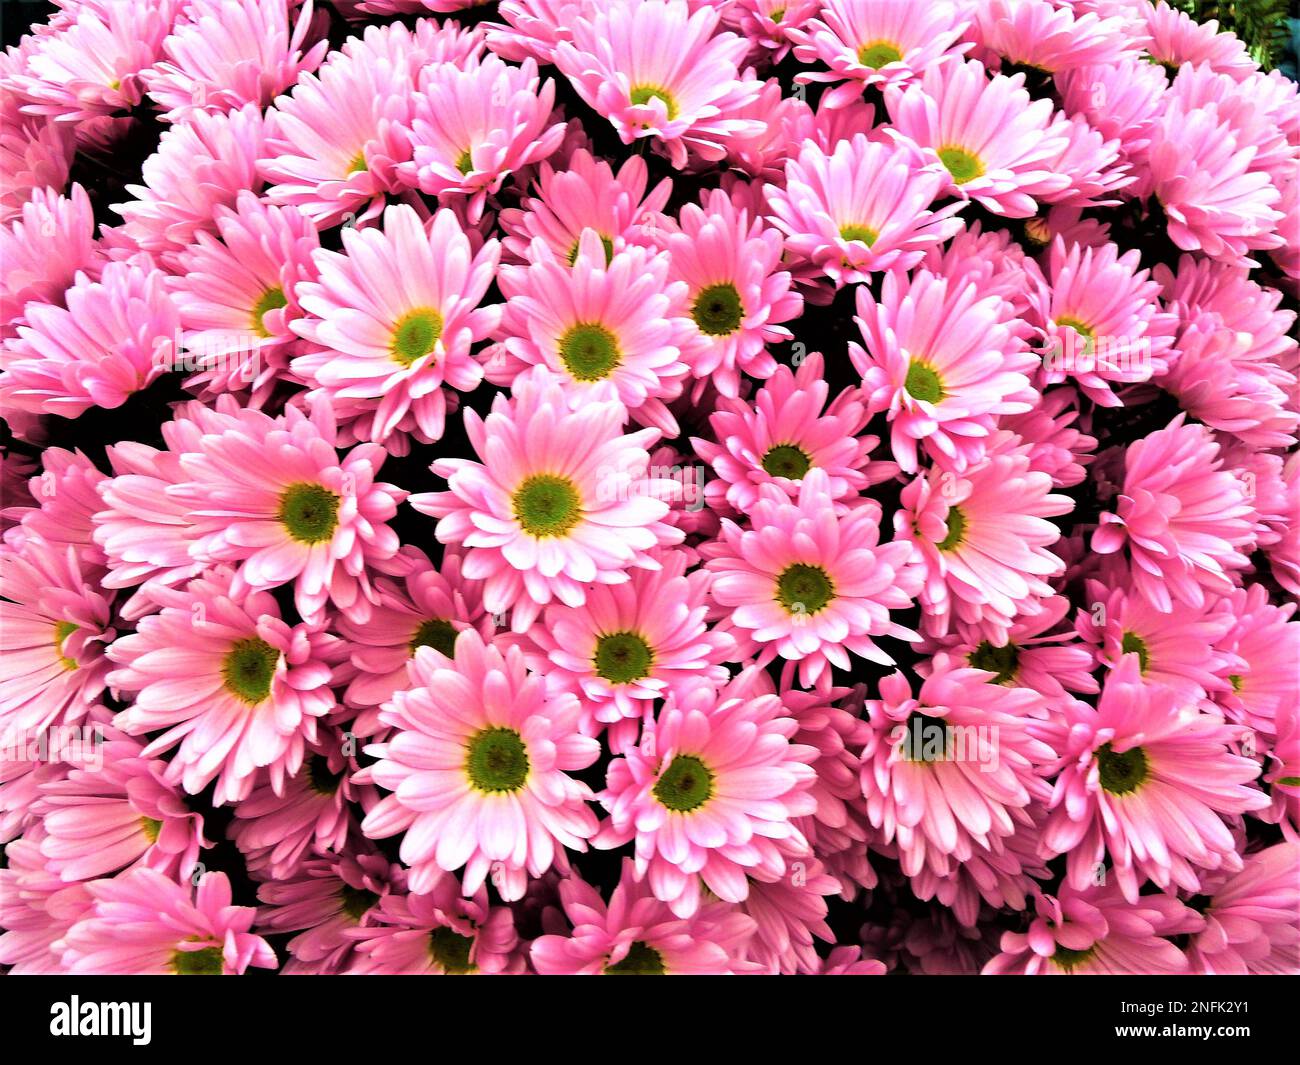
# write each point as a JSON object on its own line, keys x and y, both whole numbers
{"x": 590, "y": 351}
{"x": 804, "y": 589}
{"x": 150, "y": 828}
{"x": 415, "y": 335}
{"x": 1121, "y": 774}
{"x": 622, "y": 657}
{"x": 605, "y": 241}
{"x": 450, "y": 951}
{"x": 1131, "y": 642}
{"x": 866, "y": 234}
{"x": 956, "y": 530}
{"x": 1068, "y": 960}
{"x": 546, "y": 505}
{"x": 358, "y": 164}
{"x": 964, "y": 166}
{"x": 788, "y": 461}
{"x": 717, "y": 310}
{"x": 685, "y": 785}
{"x": 497, "y": 760}
{"x": 310, "y": 512}
{"x": 466, "y": 162}
{"x": 1000, "y": 660}
{"x": 209, "y": 961}
{"x": 62, "y": 630}
{"x": 879, "y": 53}
{"x": 641, "y": 960}
{"x": 436, "y": 633}
{"x": 270, "y": 300}
{"x": 643, "y": 94}
{"x": 1083, "y": 329}
{"x": 249, "y": 669}
{"x": 929, "y": 739}
{"x": 924, "y": 383}
{"x": 356, "y": 902}
{"x": 1235, "y": 680}
{"x": 319, "y": 777}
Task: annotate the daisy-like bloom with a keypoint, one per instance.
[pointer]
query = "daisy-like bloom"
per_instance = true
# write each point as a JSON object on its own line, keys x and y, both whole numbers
{"x": 221, "y": 55}
{"x": 767, "y": 24}
{"x": 56, "y": 625}
{"x": 479, "y": 769}
{"x": 475, "y": 124}
{"x": 997, "y": 144}
{"x": 950, "y": 771}
{"x": 91, "y": 67}
{"x": 427, "y": 608}
{"x": 1177, "y": 38}
{"x": 598, "y": 319}
{"x": 236, "y": 688}
{"x": 943, "y": 362}
{"x": 1145, "y": 779}
{"x": 392, "y": 319}
{"x": 631, "y": 644}
{"x": 809, "y": 585}
{"x": 1122, "y": 101}
{"x": 1040, "y": 35}
{"x": 567, "y": 501}
{"x": 709, "y": 795}
{"x": 878, "y": 42}
{"x": 1056, "y": 445}
{"x": 861, "y": 208}
{"x": 237, "y": 296}
{"x": 35, "y": 153}
{"x": 737, "y": 296}
{"x": 533, "y": 28}
{"x": 116, "y": 814}
{"x": 585, "y": 194}
{"x": 1101, "y": 319}
{"x": 438, "y": 933}
{"x": 1096, "y": 930}
{"x": 65, "y": 497}
{"x": 1265, "y": 640}
{"x": 1283, "y": 777}
{"x": 273, "y": 495}
{"x": 36, "y": 909}
{"x": 1213, "y": 199}
{"x": 114, "y": 337}
{"x": 784, "y": 431}
{"x": 1178, "y": 650}
{"x": 791, "y": 915}
{"x": 1252, "y": 919}
{"x": 635, "y": 934}
{"x": 657, "y": 69}
{"x": 200, "y": 165}
{"x": 1284, "y": 554}
{"x": 1182, "y": 517}
{"x": 982, "y": 539}
{"x": 1093, "y": 165}
{"x": 43, "y": 250}
{"x": 143, "y": 924}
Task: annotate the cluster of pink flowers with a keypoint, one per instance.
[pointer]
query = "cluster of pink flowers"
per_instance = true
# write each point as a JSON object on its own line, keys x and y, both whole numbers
{"x": 646, "y": 487}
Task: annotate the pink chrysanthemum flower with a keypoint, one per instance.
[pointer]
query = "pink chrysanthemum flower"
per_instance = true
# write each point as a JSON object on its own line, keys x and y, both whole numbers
{"x": 585, "y": 193}
{"x": 1146, "y": 780}
{"x": 1041, "y": 35}
{"x": 878, "y": 42}
{"x": 114, "y": 338}
{"x": 143, "y": 924}
{"x": 997, "y": 144}
{"x": 36, "y": 910}
{"x": 1096, "y": 930}
{"x": 791, "y": 915}
{"x": 1284, "y": 554}
{"x": 35, "y": 153}
{"x": 200, "y": 165}
{"x": 1252, "y": 920}
{"x": 861, "y": 208}
{"x": 437, "y": 934}
{"x": 392, "y": 319}
{"x": 982, "y": 539}
{"x": 950, "y": 772}
{"x": 66, "y": 497}
{"x": 943, "y": 362}
{"x": 635, "y": 934}
{"x": 43, "y": 250}
{"x": 1177, "y": 38}
{"x": 566, "y": 501}
{"x": 785, "y": 430}
{"x": 598, "y": 320}
{"x": 736, "y": 293}
{"x": 1265, "y": 640}
{"x": 479, "y": 766}
{"x": 1093, "y": 165}
{"x": 117, "y": 814}
{"x": 533, "y": 28}
{"x": 221, "y": 55}
{"x": 1182, "y": 517}
{"x": 273, "y": 495}
{"x": 56, "y": 622}
{"x": 709, "y": 794}
{"x": 767, "y": 24}
{"x": 473, "y": 125}
{"x": 1101, "y": 319}
{"x": 236, "y": 688}
{"x": 1057, "y": 445}
{"x": 631, "y": 644}
{"x": 657, "y": 69}
{"x": 1122, "y": 101}
{"x": 811, "y": 586}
